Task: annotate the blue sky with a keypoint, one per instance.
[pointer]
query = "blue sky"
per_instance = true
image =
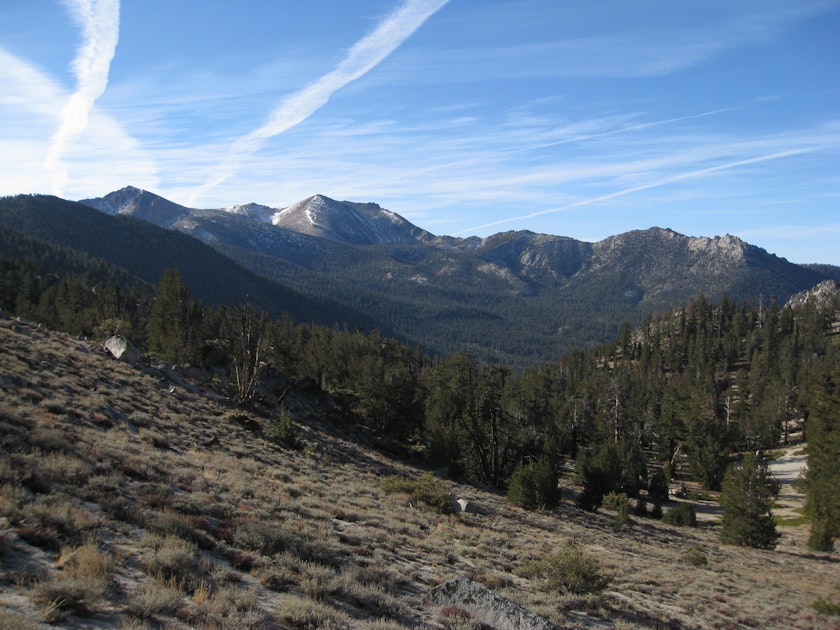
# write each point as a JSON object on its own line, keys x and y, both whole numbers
{"x": 579, "y": 118}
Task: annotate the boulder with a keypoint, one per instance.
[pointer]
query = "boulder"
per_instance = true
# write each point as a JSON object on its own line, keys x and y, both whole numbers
{"x": 490, "y": 608}
{"x": 123, "y": 350}
{"x": 462, "y": 506}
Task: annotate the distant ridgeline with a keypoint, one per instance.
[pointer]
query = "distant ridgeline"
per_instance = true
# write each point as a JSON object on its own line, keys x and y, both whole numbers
{"x": 516, "y": 298}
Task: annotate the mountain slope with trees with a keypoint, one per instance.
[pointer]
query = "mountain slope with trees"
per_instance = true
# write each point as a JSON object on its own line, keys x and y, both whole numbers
{"x": 132, "y": 500}
{"x": 55, "y": 231}
{"x": 673, "y": 398}
{"x": 687, "y": 396}
{"x": 516, "y": 298}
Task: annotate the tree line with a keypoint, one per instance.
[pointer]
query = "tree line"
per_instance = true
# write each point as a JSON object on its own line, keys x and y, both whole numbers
{"x": 673, "y": 398}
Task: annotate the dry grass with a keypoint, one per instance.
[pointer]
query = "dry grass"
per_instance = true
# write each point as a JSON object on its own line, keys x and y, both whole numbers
{"x": 83, "y": 577}
{"x": 125, "y": 505}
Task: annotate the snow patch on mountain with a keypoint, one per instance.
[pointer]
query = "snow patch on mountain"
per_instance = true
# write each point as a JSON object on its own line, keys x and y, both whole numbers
{"x": 252, "y": 211}
{"x": 349, "y": 222}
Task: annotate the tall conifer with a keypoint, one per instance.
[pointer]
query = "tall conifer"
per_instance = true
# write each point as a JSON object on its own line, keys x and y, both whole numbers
{"x": 746, "y": 498}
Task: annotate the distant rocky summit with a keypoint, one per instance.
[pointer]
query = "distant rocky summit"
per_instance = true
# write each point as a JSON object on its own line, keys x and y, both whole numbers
{"x": 821, "y": 295}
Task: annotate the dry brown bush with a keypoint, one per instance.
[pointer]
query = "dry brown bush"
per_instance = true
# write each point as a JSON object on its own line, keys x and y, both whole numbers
{"x": 83, "y": 576}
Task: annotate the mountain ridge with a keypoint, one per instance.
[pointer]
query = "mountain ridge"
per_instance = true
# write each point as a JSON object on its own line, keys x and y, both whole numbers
{"x": 317, "y": 216}
{"x": 514, "y": 297}
{"x": 144, "y": 250}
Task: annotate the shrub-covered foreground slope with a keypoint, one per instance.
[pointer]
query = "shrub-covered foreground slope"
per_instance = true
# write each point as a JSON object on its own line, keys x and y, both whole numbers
{"x": 130, "y": 500}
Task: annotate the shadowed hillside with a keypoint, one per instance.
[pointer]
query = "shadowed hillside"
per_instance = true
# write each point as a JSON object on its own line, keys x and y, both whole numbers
{"x": 132, "y": 497}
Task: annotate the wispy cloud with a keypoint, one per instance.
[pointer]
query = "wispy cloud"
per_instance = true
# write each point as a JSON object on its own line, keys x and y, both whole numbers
{"x": 104, "y": 157}
{"x": 100, "y": 22}
{"x": 365, "y": 55}
{"x": 694, "y": 174}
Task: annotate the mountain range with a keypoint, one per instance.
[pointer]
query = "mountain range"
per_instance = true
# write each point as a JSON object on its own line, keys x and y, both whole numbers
{"x": 516, "y": 297}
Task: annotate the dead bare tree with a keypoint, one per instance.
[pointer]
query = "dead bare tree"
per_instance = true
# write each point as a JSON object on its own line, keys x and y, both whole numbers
{"x": 248, "y": 346}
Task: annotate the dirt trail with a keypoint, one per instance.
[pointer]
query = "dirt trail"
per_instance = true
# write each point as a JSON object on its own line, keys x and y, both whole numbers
{"x": 787, "y": 468}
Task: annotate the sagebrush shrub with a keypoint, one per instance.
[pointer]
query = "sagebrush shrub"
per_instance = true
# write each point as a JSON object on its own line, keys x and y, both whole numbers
{"x": 177, "y": 561}
{"x": 265, "y": 538}
{"x": 154, "y": 598}
{"x": 570, "y": 570}
{"x": 85, "y": 576}
{"x": 457, "y": 618}
{"x": 619, "y": 503}
{"x": 306, "y": 614}
{"x": 695, "y": 556}
{"x": 426, "y": 489}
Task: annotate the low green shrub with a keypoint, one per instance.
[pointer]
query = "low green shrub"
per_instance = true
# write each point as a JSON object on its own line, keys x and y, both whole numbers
{"x": 656, "y": 510}
{"x": 826, "y": 608}
{"x": 534, "y": 486}
{"x": 426, "y": 489}
{"x": 683, "y": 515}
{"x": 641, "y": 509}
{"x": 284, "y": 432}
{"x": 619, "y": 503}
{"x": 695, "y": 557}
{"x": 571, "y": 570}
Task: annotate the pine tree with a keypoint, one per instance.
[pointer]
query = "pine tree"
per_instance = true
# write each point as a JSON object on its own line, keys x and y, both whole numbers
{"x": 175, "y": 320}
{"x": 823, "y": 437}
{"x": 746, "y": 498}
{"x": 534, "y": 485}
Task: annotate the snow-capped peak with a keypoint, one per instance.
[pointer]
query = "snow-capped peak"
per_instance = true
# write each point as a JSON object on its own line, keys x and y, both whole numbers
{"x": 347, "y": 222}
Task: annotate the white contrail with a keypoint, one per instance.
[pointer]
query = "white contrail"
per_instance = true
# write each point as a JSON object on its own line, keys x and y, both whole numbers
{"x": 581, "y": 137}
{"x": 100, "y": 22}
{"x": 655, "y": 184}
{"x": 365, "y": 55}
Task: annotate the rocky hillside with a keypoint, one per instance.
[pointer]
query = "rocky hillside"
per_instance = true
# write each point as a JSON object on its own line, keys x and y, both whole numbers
{"x": 139, "y": 497}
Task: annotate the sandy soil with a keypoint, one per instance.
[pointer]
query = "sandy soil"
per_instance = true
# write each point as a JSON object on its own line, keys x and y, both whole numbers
{"x": 787, "y": 468}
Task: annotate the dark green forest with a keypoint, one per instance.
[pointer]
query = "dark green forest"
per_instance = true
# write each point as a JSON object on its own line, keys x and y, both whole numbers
{"x": 677, "y": 397}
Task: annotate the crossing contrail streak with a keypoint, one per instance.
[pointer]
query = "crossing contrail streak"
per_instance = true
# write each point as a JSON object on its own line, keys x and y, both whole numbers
{"x": 365, "y": 55}
{"x": 647, "y": 186}
{"x": 100, "y": 22}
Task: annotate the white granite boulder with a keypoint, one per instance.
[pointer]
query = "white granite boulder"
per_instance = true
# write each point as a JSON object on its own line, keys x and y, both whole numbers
{"x": 123, "y": 350}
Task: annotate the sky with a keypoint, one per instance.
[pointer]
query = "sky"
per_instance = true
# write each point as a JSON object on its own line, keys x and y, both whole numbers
{"x": 581, "y": 118}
